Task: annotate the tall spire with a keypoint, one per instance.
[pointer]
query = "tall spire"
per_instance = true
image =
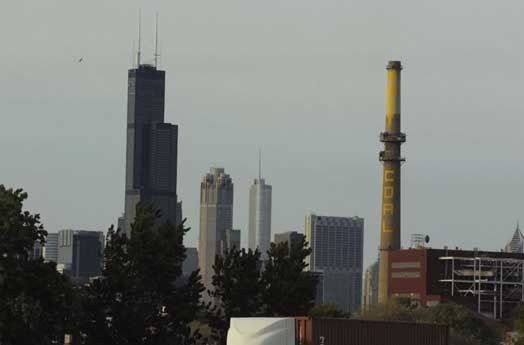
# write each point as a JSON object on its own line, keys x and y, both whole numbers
{"x": 259, "y": 163}
{"x": 139, "y": 39}
{"x": 156, "y": 41}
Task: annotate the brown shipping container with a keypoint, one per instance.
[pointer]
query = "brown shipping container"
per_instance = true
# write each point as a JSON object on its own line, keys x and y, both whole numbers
{"x": 362, "y": 332}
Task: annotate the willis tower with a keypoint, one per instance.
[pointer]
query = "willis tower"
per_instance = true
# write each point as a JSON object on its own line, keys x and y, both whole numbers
{"x": 151, "y": 152}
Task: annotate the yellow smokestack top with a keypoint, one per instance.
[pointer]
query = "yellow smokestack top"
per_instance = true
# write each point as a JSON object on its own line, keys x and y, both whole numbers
{"x": 392, "y": 138}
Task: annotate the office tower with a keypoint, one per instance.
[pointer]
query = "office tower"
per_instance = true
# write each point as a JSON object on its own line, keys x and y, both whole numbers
{"x": 232, "y": 240}
{"x": 260, "y": 215}
{"x": 292, "y": 238}
{"x": 151, "y": 153}
{"x": 337, "y": 252}
{"x": 190, "y": 262}
{"x": 50, "y": 251}
{"x": 80, "y": 254}
{"x": 216, "y": 216}
{"x": 370, "y": 296}
{"x": 516, "y": 244}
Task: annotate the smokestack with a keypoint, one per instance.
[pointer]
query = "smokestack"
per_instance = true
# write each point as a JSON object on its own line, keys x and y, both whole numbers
{"x": 392, "y": 138}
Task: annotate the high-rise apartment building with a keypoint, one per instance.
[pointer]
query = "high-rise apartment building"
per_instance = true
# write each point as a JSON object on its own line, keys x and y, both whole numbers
{"x": 80, "y": 254}
{"x": 151, "y": 153}
{"x": 50, "y": 250}
{"x": 216, "y": 216}
{"x": 337, "y": 252}
{"x": 260, "y": 216}
{"x": 292, "y": 238}
{"x": 370, "y": 296}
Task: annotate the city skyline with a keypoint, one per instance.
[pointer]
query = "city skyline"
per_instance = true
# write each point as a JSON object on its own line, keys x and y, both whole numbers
{"x": 230, "y": 90}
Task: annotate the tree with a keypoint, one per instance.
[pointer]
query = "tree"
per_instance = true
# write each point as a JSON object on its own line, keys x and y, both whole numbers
{"x": 397, "y": 309}
{"x": 518, "y": 324}
{"x": 141, "y": 297}
{"x": 466, "y": 327}
{"x": 284, "y": 279}
{"x": 34, "y": 297}
{"x": 327, "y": 310}
{"x": 236, "y": 292}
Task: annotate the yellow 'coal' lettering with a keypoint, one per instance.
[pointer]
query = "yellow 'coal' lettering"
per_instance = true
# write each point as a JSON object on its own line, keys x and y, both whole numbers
{"x": 389, "y": 175}
{"x": 388, "y": 192}
{"x": 387, "y": 209}
{"x": 386, "y": 228}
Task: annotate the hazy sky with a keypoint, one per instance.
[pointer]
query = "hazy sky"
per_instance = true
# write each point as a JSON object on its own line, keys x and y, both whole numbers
{"x": 303, "y": 79}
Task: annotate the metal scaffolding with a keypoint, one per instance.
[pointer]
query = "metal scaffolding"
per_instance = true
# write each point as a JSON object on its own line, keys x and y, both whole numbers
{"x": 493, "y": 285}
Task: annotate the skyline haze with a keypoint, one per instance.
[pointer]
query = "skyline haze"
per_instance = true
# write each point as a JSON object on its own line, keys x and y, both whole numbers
{"x": 303, "y": 80}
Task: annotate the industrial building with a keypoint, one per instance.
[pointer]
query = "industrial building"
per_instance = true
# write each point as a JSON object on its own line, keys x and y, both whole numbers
{"x": 490, "y": 283}
{"x": 392, "y": 159}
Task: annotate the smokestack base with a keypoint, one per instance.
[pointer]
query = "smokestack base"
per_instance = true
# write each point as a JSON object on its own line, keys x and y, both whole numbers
{"x": 396, "y": 65}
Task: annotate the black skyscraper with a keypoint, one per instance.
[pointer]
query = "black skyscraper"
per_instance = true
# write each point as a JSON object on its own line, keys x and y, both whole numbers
{"x": 151, "y": 154}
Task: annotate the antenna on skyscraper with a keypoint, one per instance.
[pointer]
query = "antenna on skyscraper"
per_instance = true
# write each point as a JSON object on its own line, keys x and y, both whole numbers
{"x": 156, "y": 41}
{"x": 139, "y": 38}
{"x": 259, "y": 163}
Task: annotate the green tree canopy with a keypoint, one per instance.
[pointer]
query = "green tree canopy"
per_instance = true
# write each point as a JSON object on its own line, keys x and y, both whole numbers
{"x": 466, "y": 327}
{"x": 327, "y": 310}
{"x": 236, "y": 292}
{"x": 284, "y": 279}
{"x": 34, "y": 297}
{"x": 142, "y": 297}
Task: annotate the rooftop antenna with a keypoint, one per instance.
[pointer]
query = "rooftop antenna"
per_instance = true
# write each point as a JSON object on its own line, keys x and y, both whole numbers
{"x": 156, "y": 41}
{"x": 139, "y": 38}
{"x": 259, "y": 163}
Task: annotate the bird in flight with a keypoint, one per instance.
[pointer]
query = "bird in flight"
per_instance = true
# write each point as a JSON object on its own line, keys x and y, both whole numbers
{"x": 81, "y": 59}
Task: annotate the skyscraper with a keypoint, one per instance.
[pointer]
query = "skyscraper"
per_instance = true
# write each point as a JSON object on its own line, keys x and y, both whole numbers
{"x": 292, "y": 238}
{"x": 190, "y": 262}
{"x": 516, "y": 244}
{"x": 232, "y": 240}
{"x": 370, "y": 296}
{"x": 80, "y": 254}
{"x": 337, "y": 251}
{"x": 216, "y": 216}
{"x": 260, "y": 215}
{"x": 50, "y": 252}
{"x": 151, "y": 154}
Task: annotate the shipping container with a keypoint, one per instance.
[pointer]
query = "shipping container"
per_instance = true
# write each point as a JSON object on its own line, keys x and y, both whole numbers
{"x": 310, "y": 331}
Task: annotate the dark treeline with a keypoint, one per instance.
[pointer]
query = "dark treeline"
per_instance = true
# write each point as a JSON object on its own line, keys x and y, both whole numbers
{"x": 142, "y": 296}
